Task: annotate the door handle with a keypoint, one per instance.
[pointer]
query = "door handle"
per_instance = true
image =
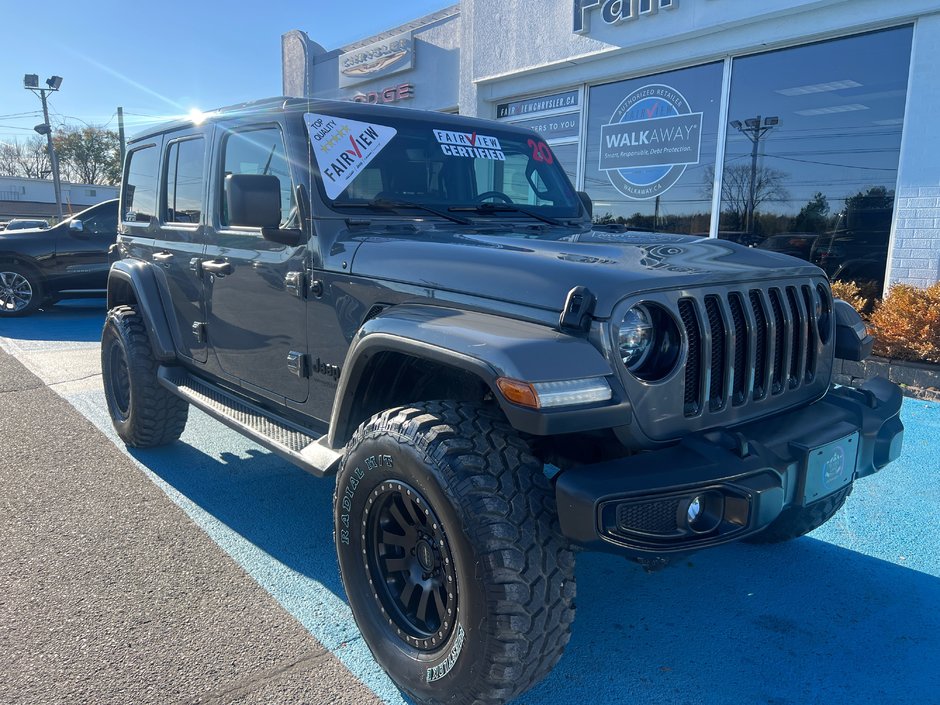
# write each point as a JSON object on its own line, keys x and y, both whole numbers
{"x": 163, "y": 258}
{"x": 217, "y": 267}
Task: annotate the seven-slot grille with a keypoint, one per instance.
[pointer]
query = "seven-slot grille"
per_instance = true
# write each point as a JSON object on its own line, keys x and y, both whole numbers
{"x": 745, "y": 345}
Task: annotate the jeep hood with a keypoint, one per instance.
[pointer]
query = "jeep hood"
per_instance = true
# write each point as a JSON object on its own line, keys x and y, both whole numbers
{"x": 541, "y": 272}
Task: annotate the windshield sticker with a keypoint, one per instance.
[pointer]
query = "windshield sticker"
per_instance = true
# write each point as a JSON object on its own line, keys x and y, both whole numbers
{"x": 344, "y": 148}
{"x": 469, "y": 144}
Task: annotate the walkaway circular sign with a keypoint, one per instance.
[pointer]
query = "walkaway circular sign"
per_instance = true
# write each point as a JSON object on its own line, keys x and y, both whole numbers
{"x": 651, "y": 138}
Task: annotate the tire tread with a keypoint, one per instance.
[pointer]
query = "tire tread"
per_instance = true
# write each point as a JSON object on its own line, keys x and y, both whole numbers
{"x": 158, "y": 416}
{"x": 514, "y": 529}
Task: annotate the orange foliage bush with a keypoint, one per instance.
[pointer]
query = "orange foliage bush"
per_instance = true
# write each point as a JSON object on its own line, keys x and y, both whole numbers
{"x": 906, "y": 324}
{"x": 851, "y": 292}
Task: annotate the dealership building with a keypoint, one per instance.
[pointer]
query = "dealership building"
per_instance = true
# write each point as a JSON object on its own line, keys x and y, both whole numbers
{"x": 804, "y": 126}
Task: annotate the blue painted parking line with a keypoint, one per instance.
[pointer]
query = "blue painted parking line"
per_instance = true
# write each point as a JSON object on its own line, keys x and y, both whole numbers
{"x": 273, "y": 519}
{"x": 846, "y": 615}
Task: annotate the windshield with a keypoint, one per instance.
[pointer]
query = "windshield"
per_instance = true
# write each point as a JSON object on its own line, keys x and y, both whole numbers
{"x": 393, "y": 163}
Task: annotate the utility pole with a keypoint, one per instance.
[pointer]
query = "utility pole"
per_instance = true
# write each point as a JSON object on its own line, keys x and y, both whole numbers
{"x": 120, "y": 116}
{"x": 754, "y": 129}
{"x": 31, "y": 83}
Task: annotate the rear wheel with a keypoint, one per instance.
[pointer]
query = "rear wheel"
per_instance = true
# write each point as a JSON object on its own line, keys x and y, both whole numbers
{"x": 144, "y": 413}
{"x": 794, "y": 522}
{"x": 451, "y": 554}
{"x": 20, "y": 290}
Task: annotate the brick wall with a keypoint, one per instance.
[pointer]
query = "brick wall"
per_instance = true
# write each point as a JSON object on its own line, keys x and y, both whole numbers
{"x": 915, "y": 256}
{"x": 915, "y": 252}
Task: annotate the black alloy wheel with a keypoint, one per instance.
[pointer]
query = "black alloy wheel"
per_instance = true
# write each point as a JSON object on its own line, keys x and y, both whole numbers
{"x": 409, "y": 560}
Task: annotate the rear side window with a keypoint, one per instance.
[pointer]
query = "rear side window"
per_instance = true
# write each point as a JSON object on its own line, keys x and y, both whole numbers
{"x": 139, "y": 199}
{"x": 184, "y": 181}
{"x": 104, "y": 222}
{"x": 259, "y": 151}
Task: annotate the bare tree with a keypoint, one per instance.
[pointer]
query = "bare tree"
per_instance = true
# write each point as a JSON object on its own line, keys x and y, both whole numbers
{"x": 9, "y": 163}
{"x": 736, "y": 188}
{"x": 28, "y": 158}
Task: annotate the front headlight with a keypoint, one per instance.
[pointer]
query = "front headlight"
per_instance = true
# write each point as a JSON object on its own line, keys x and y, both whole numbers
{"x": 649, "y": 342}
{"x": 635, "y": 336}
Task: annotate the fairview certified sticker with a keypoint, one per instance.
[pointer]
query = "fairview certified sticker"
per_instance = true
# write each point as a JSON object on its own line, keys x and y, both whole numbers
{"x": 344, "y": 148}
{"x": 469, "y": 144}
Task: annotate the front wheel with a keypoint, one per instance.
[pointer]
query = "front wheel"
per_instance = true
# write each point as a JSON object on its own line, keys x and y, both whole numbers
{"x": 144, "y": 413}
{"x": 20, "y": 290}
{"x": 451, "y": 555}
{"x": 794, "y": 522}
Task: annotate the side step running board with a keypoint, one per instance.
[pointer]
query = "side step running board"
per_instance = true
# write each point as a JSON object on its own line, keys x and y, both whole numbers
{"x": 287, "y": 439}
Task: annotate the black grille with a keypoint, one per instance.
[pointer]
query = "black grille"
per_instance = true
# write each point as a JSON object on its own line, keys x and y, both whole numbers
{"x": 812, "y": 334}
{"x": 779, "y": 326}
{"x": 738, "y": 393}
{"x": 693, "y": 378}
{"x": 799, "y": 338}
{"x": 760, "y": 344}
{"x": 717, "y": 331}
{"x": 658, "y": 517}
{"x": 774, "y": 327}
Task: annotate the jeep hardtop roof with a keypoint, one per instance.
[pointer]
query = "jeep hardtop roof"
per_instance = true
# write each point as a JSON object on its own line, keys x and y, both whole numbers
{"x": 351, "y": 109}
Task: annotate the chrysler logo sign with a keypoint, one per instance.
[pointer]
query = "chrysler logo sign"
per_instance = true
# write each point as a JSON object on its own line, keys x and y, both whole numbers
{"x": 616, "y": 11}
{"x": 375, "y": 60}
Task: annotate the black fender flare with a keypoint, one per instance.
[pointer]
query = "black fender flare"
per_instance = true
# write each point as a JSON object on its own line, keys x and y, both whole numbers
{"x": 136, "y": 277}
{"x": 488, "y": 347}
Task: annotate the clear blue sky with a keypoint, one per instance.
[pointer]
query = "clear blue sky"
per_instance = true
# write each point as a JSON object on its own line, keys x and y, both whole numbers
{"x": 165, "y": 57}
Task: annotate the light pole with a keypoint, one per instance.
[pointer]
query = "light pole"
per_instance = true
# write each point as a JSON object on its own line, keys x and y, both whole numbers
{"x": 754, "y": 129}
{"x": 31, "y": 83}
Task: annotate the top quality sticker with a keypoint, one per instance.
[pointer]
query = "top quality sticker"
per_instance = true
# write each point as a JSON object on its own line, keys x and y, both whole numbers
{"x": 344, "y": 148}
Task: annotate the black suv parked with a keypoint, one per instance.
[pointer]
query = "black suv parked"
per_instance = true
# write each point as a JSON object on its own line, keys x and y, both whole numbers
{"x": 418, "y": 303}
{"x": 68, "y": 260}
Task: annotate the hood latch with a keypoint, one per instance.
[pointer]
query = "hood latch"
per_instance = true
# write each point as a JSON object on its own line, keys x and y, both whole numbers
{"x": 579, "y": 307}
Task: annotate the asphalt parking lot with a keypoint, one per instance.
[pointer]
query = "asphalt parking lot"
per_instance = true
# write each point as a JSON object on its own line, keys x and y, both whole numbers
{"x": 204, "y": 572}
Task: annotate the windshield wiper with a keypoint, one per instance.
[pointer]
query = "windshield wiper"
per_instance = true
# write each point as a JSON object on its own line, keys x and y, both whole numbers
{"x": 486, "y": 208}
{"x": 387, "y": 204}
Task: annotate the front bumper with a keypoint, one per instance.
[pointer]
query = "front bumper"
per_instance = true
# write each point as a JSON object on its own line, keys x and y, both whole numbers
{"x": 742, "y": 477}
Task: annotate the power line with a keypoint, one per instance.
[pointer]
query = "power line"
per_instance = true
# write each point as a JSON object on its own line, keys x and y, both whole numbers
{"x": 16, "y": 115}
{"x": 843, "y": 166}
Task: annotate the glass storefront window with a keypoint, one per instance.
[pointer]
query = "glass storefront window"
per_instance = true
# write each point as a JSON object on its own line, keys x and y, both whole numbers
{"x": 812, "y": 152}
{"x": 651, "y": 150}
{"x": 567, "y": 156}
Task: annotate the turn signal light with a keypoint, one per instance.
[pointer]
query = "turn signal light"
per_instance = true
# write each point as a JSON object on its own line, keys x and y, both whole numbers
{"x": 551, "y": 395}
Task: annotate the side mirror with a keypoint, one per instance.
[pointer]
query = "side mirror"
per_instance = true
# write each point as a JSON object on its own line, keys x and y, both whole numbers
{"x": 254, "y": 200}
{"x": 76, "y": 226}
{"x": 852, "y": 339}
{"x": 587, "y": 203}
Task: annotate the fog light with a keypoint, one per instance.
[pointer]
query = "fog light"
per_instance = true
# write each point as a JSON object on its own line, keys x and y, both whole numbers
{"x": 703, "y": 513}
{"x": 695, "y": 508}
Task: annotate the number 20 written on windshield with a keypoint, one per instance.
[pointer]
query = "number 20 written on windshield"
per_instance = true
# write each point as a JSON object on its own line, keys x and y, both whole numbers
{"x": 541, "y": 152}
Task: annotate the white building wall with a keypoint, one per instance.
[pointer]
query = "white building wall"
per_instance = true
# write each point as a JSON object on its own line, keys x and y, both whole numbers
{"x": 18, "y": 189}
{"x": 915, "y": 253}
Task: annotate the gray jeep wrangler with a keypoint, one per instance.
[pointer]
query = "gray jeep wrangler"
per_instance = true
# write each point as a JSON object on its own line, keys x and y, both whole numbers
{"x": 419, "y": 304}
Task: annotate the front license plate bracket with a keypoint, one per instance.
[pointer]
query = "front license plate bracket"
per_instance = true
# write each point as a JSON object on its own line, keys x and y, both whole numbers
{"x": 828, "y": 468}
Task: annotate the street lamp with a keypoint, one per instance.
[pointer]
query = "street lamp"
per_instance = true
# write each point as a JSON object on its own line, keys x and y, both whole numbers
{"x": 53, "y": 83}
{"x": 754, "y": 129}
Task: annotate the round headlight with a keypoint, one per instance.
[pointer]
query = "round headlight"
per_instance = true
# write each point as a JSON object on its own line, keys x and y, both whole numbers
{"x": 636, "y": 336}
{"x": 649, "y": 342}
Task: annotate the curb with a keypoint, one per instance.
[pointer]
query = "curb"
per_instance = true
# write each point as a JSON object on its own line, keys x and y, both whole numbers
{"x": 917, "y": 380}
